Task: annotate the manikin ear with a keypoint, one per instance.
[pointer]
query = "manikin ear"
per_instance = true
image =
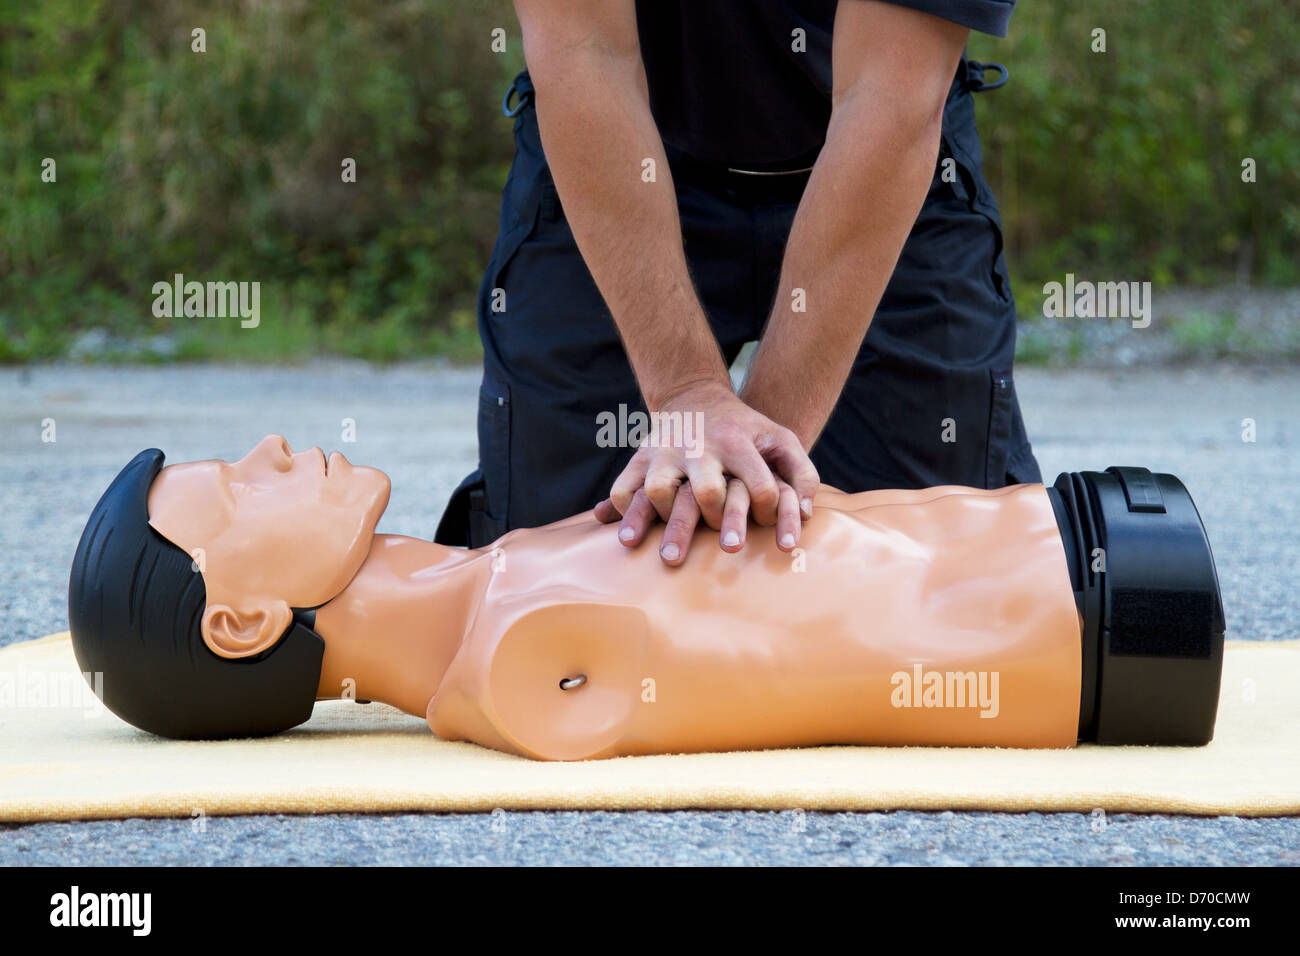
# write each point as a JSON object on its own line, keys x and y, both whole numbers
{"x": 231, "y": 633}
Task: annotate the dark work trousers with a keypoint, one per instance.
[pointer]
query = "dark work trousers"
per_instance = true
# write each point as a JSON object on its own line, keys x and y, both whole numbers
{"x": 930, "y": 400}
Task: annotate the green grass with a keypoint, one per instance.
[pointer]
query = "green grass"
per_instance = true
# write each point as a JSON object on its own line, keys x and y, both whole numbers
{"x": 1202, "y": 333}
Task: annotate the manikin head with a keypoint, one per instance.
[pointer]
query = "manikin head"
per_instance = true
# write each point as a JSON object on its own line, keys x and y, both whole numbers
{"x": 189, "y": 582}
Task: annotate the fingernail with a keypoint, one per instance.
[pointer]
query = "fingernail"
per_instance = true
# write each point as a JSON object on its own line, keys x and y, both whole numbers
{"x": 805, "y": 505}
{"x": 730, "y": 539}
{"x": 670, "y": 552}
{"x": 626, "y": 534}
{"x": 787, "y": 541}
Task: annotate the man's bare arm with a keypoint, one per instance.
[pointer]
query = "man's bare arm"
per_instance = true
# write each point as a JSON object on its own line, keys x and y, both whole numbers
{"x": 892, "y": 69}
{"x": 593, "y": 112}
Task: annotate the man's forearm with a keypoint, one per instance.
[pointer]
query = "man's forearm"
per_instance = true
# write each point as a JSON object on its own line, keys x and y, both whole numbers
{"x": 593, "y": 111}
{"x": 860, "y": 203}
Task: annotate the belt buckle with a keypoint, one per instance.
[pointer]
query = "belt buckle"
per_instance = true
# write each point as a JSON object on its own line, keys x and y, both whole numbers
{"x": 768, "y": 172}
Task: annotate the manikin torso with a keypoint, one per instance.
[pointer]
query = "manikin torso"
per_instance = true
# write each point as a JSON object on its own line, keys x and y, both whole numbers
{"x": 943, "y": 616}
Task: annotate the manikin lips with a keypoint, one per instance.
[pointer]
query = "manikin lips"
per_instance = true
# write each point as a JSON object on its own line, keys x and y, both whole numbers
{"x": 327, "y": 460}
{"x": 333, "y": 461}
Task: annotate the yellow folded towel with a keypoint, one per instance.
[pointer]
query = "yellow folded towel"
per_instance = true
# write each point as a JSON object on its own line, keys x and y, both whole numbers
{"x": 63, "y": 757}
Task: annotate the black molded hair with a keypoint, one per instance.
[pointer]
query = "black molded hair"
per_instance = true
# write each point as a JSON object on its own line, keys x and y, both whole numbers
{"x": 135, "y": 605}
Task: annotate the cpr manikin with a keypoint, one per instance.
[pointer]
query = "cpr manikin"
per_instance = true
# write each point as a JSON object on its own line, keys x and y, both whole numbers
{"x": 1016, "y": 617}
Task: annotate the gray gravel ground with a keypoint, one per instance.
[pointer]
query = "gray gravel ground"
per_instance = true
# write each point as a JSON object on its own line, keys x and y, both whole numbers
{"x": 416, "y": 422}
{"x": 656, "y": 839}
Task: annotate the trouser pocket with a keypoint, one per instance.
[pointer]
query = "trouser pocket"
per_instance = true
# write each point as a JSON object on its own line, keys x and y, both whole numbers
{"x": 961, "y": 160}
{"x": 489, "y": 509}
{"x": 998, "y": 446}
{"x": 961, "y": 172}
{"x": 1009, "y": 459}
{"x": 478, "y": 511}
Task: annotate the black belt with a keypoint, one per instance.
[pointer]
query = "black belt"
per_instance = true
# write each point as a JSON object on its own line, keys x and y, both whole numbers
{"x": 770, "y": 184}
{"x": 787, "y": 184}
{"x": 758, "y": 185}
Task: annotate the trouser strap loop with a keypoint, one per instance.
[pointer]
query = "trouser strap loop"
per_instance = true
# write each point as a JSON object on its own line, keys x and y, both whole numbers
{"x": 975, "y": 71}
{"x": 525, "y": 96}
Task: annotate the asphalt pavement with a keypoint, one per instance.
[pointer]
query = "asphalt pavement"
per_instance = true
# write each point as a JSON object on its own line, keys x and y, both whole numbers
{"x": 417, "y": 423}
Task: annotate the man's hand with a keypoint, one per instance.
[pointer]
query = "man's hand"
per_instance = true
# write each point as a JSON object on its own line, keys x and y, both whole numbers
{"x": 739, "y": 462}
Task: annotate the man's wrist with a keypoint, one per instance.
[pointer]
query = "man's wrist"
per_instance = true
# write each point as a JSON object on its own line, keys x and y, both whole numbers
{"x": 796, "y": 412}
{"x": 674, "y": 391}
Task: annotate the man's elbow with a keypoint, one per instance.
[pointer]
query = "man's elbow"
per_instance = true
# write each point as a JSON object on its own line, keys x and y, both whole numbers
{"x": 555, "y": 57}
{"x": 909, "y": 112}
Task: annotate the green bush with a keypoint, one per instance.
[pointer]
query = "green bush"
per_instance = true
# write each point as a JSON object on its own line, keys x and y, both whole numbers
{"x": 225, "y": 165}
{"x": 1129, "y": 162}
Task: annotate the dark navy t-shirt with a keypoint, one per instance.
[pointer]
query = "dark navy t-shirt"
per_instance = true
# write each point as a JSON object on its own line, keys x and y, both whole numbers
{"x": 727, "y": 85}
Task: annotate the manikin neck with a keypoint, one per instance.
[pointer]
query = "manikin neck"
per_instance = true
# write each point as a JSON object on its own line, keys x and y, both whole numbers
{"x": 394, "y": 630}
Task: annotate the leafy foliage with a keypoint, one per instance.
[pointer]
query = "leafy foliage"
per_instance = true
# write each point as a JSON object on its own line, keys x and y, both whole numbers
{"x": 1129, "y": 162}
{"x": 225, "y": 165}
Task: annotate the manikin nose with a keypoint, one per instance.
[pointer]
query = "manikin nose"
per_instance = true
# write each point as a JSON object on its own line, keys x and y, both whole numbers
{"x": 278, "y": 451}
